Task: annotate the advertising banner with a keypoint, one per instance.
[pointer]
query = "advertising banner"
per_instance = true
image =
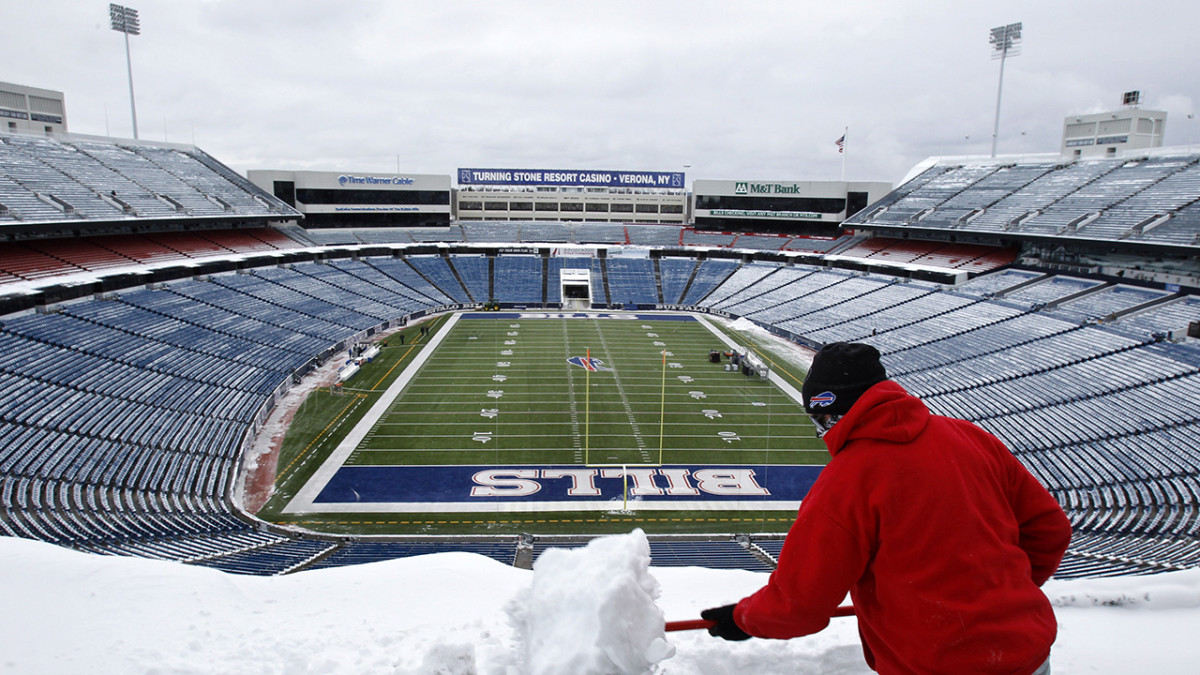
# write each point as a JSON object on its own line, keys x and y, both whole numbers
{"x": 572, "y": 178}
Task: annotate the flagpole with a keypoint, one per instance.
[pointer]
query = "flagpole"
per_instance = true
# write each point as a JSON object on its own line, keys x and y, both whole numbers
{"x": 845, "y": 131}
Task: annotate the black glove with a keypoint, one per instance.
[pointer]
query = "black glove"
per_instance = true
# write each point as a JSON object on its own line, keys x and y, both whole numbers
{"x": 725, "y": 626}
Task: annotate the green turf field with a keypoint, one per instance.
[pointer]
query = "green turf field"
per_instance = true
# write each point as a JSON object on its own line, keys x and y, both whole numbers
{"x": 503, "y": 392}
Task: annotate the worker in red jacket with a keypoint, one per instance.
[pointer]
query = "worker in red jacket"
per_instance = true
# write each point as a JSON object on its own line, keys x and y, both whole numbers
{"x": 940, "y": 536}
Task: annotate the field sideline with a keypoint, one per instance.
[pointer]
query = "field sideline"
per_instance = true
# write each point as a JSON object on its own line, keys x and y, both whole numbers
{"x": 560, "y": 421}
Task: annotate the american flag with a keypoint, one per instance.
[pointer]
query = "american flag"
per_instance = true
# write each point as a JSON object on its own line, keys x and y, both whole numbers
{"x": 841, "y": 143}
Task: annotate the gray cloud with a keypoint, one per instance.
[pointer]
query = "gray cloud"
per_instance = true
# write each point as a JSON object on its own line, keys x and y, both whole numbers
{"x": 747, "y": 89}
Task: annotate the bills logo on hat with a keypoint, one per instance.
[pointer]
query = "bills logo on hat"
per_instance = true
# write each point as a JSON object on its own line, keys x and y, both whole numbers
{"x": 822, "y": 400}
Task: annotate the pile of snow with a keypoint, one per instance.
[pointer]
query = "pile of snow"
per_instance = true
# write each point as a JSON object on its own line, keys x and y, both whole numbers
{"x": 592, "y": 610}
{"x": 744, "y": 325}
{"x": 770, "y": 342}
{"x": 70, "y": 612}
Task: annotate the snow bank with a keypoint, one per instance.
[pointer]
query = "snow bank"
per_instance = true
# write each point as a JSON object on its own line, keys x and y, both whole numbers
{"x": 70, "y": 612}
{"x": 742, "y": 324}
{"x": 592, "y": 610}
{"x": 768, "y": 341}
{"x": 1180, "y": 590}
{"x": 458, "y": 613}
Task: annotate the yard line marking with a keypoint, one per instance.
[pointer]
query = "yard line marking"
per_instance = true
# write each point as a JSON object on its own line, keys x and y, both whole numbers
{"x": 303, "y": 501}
{"x": 633, "y": 423}
{"x": 576, "y": 440}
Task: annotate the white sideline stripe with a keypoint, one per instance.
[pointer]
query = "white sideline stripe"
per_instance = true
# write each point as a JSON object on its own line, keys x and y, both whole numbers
{"x": 521, "y": 506}
{"x": 303, "y": 501}
{"x": 777, "y": 380}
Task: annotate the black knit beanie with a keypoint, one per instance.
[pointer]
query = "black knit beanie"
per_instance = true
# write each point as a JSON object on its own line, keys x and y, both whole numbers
{"x": 840, "y": 373}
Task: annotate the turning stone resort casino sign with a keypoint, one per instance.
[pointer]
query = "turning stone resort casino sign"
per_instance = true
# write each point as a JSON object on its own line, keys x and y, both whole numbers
{"x": 572, "y": 178}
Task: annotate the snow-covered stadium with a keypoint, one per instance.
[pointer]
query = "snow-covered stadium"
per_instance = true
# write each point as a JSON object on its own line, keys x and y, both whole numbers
{"x": 155, "y": 306}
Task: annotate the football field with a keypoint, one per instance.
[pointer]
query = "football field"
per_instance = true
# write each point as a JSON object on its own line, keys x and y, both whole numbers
{"x": 546, "y": 413}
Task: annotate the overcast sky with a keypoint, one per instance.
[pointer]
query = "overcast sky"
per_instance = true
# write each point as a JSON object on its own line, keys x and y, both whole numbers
{"x": 729, "y": 89}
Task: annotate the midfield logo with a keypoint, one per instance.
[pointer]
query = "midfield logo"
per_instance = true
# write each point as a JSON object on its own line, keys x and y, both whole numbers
{"x": 594, "y": 365}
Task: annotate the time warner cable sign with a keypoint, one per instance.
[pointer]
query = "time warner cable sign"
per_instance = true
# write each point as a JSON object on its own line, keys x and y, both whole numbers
{"x": 374, "y": 180}
{"x": 573, "y": 178}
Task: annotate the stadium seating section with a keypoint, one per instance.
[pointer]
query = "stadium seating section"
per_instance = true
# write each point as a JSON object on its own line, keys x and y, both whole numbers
{"x": 33, "y": 259}
{"x": 98, "y": 182}
{"x": 123, "y": 415}
{"x": 966, "y": 257}
{"x": 1151, "y": 199}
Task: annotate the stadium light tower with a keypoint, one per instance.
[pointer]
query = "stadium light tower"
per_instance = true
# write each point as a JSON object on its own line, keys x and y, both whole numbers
{"x": 125, "y": 20}
{"x": 1006, "y": 42}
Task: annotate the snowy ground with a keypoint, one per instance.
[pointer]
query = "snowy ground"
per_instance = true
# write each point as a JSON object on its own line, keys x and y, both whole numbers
{"x": 69, "y": 612}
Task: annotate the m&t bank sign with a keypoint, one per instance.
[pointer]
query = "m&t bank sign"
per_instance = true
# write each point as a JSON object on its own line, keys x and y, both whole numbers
{"x": 748, "y": 188}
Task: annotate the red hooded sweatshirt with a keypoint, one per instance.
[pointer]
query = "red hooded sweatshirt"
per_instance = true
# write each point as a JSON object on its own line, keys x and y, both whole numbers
{"x": 941, "y": 537}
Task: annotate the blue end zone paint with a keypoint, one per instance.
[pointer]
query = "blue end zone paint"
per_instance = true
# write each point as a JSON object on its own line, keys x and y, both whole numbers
{"x": 455, "y": 484}
{"x": 491, "y": 315}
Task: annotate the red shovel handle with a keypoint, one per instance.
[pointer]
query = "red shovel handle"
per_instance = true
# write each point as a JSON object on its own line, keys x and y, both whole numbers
{"x": 690, "y": 624}
{"x": 698, "y": 624}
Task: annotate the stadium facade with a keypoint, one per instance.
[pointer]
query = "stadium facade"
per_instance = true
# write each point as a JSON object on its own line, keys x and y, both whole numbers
{"x": 362, "y": 199}
{"x": 1103, "y": 135}
{"x": 571, "y": 195}
{"x": 797, "y": 207}
{"x": 30, "y": 110}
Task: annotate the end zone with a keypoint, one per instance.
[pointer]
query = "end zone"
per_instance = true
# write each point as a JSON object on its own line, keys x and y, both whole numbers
{"x": 477, "y": 489}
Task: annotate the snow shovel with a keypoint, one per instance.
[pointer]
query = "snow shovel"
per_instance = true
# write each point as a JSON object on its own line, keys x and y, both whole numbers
{"x": 698, "y": 624}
